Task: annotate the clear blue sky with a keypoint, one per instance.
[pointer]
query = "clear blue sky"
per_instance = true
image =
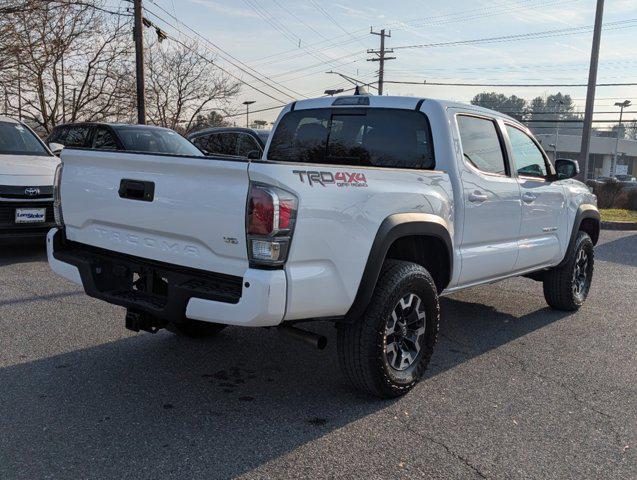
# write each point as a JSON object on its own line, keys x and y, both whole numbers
{"x": 334, "y": 34}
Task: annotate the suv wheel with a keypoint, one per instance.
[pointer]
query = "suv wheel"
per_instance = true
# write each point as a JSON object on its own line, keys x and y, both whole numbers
{"x": 387, "y": 350}
{"x": 195, "y": 328}
{"x": 566, "y": 287}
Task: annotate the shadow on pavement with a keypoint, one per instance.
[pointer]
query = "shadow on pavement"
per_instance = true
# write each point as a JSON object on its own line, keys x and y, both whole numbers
{"x": 14, "y": 252}
{"x": 622, "y": 250}
{"x": 163, "y": 406}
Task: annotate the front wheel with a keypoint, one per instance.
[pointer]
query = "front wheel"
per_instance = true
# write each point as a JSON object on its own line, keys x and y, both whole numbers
{"x": 387, "y": 350}
{"x": 566, "y": 287}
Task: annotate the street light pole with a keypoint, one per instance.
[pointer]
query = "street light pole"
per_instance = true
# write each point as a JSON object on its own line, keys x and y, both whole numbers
{"x": 621, "y": 105}
{"x": 247, "y": 103}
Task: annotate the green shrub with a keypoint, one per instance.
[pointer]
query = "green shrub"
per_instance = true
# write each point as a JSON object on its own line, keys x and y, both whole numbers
{"x": 607, "y": 193}
{"x": 631, "y": 199}
{"x": 621, "y": 202}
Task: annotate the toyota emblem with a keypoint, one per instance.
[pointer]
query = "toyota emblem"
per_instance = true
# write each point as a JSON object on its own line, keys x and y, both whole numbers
{"x": 31, "y": 191}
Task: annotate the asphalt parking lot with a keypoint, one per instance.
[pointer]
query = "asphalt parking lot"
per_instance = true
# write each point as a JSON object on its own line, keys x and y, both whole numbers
{"x": 515, "y": 390}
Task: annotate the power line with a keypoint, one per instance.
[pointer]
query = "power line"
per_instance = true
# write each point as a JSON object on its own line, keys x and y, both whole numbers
{"x": 332, "y": 19}
{"x": 300, "y": 20}
{"x": 396, "y": 25}
{"x": 473, "y": 14}
{"x": 281, "y": 28}
{"x": 446, "y": 84}
{"x": 235, "y": 62}
{"x": 227, "y": 72}
{"x": 521, "y": 36}
{"x": 320, "y": 64}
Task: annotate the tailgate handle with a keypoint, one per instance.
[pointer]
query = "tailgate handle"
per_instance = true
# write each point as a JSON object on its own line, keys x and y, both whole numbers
{"x": 137, "y": 190}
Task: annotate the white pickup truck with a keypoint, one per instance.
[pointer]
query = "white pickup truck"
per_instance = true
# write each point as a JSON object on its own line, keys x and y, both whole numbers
{"x": 362, "y": 211}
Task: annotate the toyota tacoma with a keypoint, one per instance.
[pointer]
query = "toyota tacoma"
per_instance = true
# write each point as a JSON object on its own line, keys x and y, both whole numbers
{"x": 362, "y": 211}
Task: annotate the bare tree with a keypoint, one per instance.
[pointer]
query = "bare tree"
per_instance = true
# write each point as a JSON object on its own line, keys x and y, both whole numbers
{"x": 73, "y": 60}
{"x": 182, "y": 85}
{"x": 66, "y": 60}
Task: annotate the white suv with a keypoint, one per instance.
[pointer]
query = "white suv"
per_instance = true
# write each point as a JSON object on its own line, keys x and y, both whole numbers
{"x": 362, "y": 211}
{"x": 26, "y": 182}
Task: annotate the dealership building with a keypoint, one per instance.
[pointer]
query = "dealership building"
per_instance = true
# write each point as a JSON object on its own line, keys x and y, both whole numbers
{"x": 602, "y": 150}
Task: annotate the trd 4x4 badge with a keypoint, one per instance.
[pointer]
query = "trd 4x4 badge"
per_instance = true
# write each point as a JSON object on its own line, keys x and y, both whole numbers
{"x": 340, "y": 179}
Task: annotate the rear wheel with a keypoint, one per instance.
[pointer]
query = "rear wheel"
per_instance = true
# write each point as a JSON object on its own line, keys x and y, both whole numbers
{"x": 566, "y": 287}
{"x": 195, "y": 328}
{"x": 387, "y": 350}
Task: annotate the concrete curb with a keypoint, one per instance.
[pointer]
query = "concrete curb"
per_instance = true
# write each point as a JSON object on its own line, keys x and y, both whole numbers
{"x": 619, "y": 225}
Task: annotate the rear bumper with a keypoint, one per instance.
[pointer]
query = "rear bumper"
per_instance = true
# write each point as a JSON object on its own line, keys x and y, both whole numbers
{"x": 256, "y": 300}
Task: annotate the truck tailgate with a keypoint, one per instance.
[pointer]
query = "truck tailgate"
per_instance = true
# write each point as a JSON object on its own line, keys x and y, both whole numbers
{"x": 186, "y": 211}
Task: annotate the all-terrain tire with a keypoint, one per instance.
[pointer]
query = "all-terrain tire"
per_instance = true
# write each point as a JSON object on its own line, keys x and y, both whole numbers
{"x": 562, "y": 287}
{"x": 362, "y": 344}
{"x": 194, "y": 328}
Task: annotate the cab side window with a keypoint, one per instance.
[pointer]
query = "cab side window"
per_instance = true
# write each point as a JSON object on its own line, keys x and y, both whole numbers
{"x": 246, "y": 144}
{"x": 527, "y": 157}
{"x": 481, "y": 144}
{"x": 104, "y": 140}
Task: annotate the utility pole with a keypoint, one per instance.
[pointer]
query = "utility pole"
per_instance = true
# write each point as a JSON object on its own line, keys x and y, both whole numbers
{"x": 138, "y": 33}
{"x": 590, "y": 92}
{"x": 19, "y": 94}
{"x": 63, "y": 93}
{"x": 621, "y": 105}
{"x": 381, "y": 56}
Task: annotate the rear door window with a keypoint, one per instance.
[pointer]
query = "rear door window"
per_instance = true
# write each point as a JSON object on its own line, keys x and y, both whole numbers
{"x": 222, "y": 143}
{"x": 246, "y": 144}
{"x": 362, "y": 137}
{"x": 76, "y": 136}
{"x": 481, "y": 144}
{"x": 58, "y": 135}
{"x": 103, "y": 139}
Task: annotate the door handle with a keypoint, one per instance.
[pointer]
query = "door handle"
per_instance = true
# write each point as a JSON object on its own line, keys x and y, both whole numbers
{"x": 136, "y": 190}
{"x": 478, "y": 197}
{"x": 528, "y": 197}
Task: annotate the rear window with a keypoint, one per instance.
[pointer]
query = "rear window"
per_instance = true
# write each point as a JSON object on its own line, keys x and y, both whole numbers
{"x": 156, "y": 140}
{"x": 361, "y": 137}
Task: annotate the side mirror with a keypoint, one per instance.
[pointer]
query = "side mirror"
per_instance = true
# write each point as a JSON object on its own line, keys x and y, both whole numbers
{"x": 254, "y": 155}
{"x": 566, "y": 168}
{"x": 56, "y": 148}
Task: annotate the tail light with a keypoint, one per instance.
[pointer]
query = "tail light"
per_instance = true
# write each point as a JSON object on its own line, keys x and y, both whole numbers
{"x": 269, "y": 225}
{"x": 57, "y": 199}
